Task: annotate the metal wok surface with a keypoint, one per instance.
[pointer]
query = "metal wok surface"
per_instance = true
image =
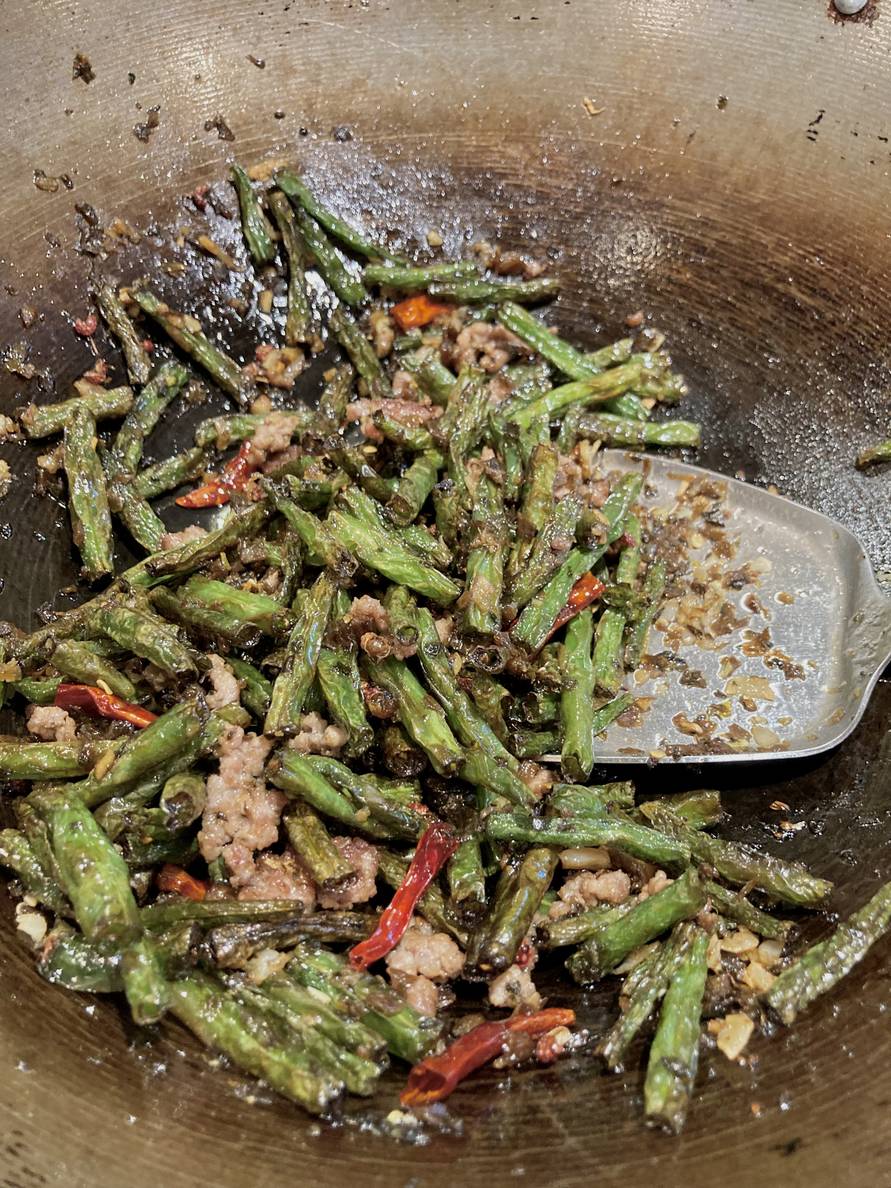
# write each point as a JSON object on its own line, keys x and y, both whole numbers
{"x": 734, "y": 186}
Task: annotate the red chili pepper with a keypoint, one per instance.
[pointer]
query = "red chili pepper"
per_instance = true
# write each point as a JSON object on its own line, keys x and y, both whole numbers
{"x": 418, "y": 311}
{"x": 234, "y": 477}
{"x": 179, "y": 882}
{"x": 99, "y": 704}
{"x": 437, "y": 1076}
{"x": 438, "y": 843}
{"x": 586, "y": 590}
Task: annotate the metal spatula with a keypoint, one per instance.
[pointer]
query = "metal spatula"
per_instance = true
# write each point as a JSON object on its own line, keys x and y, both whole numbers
{"x": 810, "y": 634}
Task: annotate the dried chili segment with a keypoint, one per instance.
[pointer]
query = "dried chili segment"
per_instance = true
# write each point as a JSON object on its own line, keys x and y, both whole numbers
{"x": 234, "y": 477}
{"x": 99, "y": 704}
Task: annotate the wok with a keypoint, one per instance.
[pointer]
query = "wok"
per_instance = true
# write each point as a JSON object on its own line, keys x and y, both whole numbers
{"x": 733, "y": 186}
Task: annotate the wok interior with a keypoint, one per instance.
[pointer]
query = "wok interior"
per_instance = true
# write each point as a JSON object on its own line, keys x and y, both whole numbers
{"x": 709, "y": 192}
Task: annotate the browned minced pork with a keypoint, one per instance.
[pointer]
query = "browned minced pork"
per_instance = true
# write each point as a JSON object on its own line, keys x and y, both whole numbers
{"x": 404, "y": 386}
{"x": 368, "y": 614}
{"x": 572, "y": 480}
{"x": 423, "y": 952}
{"x": 538, "y": 779}
{"x": 500, "y": 388}
{"x": 658, "y": 882}
{"x": 278, "y": 366}
{"x": 383, "y": 334}
{"x": 226, "y": 687}
{"x": 409, "y": 412}
{"x": 50, "y": 723}
{"x": 587, "y": 888}
{"x": 419, "y": 992}
{"x": 318, "y": 737}
{"x": 444, "y": 628}
{"x": 514, "y": 988}
{"x": 274, "y": 433}
{"x": 272, "y": 876}
{"x": 172, "y": 540}
{"x": 485, "y": 345}
{"x": 241, "y": 814}
{"x": 508, "y": 263}
{"x": 359, "y": 887}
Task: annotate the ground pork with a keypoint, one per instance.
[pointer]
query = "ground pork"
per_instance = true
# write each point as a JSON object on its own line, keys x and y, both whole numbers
{"x": 485, "y": 345}
{"x": 225, "y": 685}
{"x": 499, "y": 388}
{"x": 538, "y": 779}
{"x": 444, "y": 628}
{"x": 408, "y": 411}
{"x": 359, "y": 887}
{"x": 587, "y": 888}
{"x": 318, "y": 737}
{"x": 278, "y": 366}
{"x": 172, "y": 540}
{"x": 514, "y": 988}
{"x": 369, "y": 621}
{"x": 274, "y": 433}
{"x": 573, "y": 479}
{"x": 241, "y": 814}
{"x": 50, "y": 723}
{"x": 271, "y": 876}
{"x": 404, "y": 385}
{"x": 383, "y": 334}
{"x": 423, "y": 952}
{"x": 508, "y": 263}
{"x": 657, "y": 883}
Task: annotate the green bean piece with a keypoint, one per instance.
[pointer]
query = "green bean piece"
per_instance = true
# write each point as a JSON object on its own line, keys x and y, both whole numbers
{"x": 360, "y": 352}
{"x": 535, "y": 623}
{"x": 291, "y": 686}
{"x": 789, "y": 882}
{"x": 146, "y": 528}
{"x": 38, "y": 692}
{"x": 432, "y": 904}
{"x": 126, "y": 453}
{"x": 700, "y": 809}
{"x": 69, "y": 960}
{"x": 415, "y": 486}
{"x": 577, "y": 699}
{"x": 249, "y": 1040}
{"x": 355, "y": 463}
{"x": 733, "y": 905}
{"x": 297, "y": 191}
{"x": 643, "y": 988}
{"x": 75, "y": 660}
{"x": 674, "y": 1052}
{"x": 488, "y": 697}
{"x": 18, "y": 855}
{"x": 640, "y": 371}
{"x": 531, "y": 744}
{"x": 344, "y": 1031}
{"x": 338, "y": 674}
{"x": 618, "y": 936}
{"x": 620, "y": 432}
{"x": 358, "y": 1074}
{"x": 190, "y": 338}
{"x": 514, "y": 910}
{"x": 824, "y": 965}
{"x": 301, "y": 324}
{"x": 366, "y": 998}
{"x": 505, "y": 439}
{"x": 607, "y": 714}
{"x": 387, "y": 555}
{"x": 463, "y": 424}
{"x": 881, "y": 452}
{"x": 312, "y": 843}
{"x": 399, "y": 754}
{"x": 244, "y": 606}
{"x": 297, "y": 777}
{"x": 413, "y": 438}
{"x": 145, "y": 984}
{"x": 183, "y": 798}
{"x": 87, "y": 495}
{"x": 168, "y": 474}
{"x": 548, "y": 552}
{"x": 257, "y": 230}
{"x": 322, "y": 547}
{"x": 214, "y": 913}
{"x": 139, "y": 365}
{"x": 574, "y": 930}
{"x": 94, "y": 876}
{"x": 629, "y": 559}
{"x": 608, "y": 667}
{"x": 143, "y": 632}
{"x": 653, "y": 590}
{"x": 328, "y": 261}
{"x": 467, "y": 878}
{"x": 48, "y": 760}
{"x": 198, "y": 619}
{"x": 394, "y": 816}
{"x": 432, "y": 376}
{"x": 481, "y": 609}
{"x": 222, "y": 432}
{"x": 414, "y": 279}
{"x": 572, "y": 800}
{"x": 229, "y": 946}
{"x": 539, "y": 707}
{"x": 421, "y": 717}
{"x": 474, "y": 292}
{"x": 186, "y": 558}
{"x": 165, "y": 740}
{"x": 637, "y": 840}
{"x": 256, "y": 690}
{"x": 41, "y": 420}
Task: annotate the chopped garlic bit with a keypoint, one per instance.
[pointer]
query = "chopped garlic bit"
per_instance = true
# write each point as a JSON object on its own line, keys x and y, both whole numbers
{"x": 732, "y": 1033}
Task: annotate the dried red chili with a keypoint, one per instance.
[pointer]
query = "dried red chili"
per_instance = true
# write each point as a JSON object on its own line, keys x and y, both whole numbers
{"x": 437, "y": 1076}
{"x": 438, "y": 843}
{"x": 99, "y": 704}
{"x": 585, "y": 591}
{"x": 234, "y": 477}
{"x": 179, "y": 882}
{"x": 418, "y": 311}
